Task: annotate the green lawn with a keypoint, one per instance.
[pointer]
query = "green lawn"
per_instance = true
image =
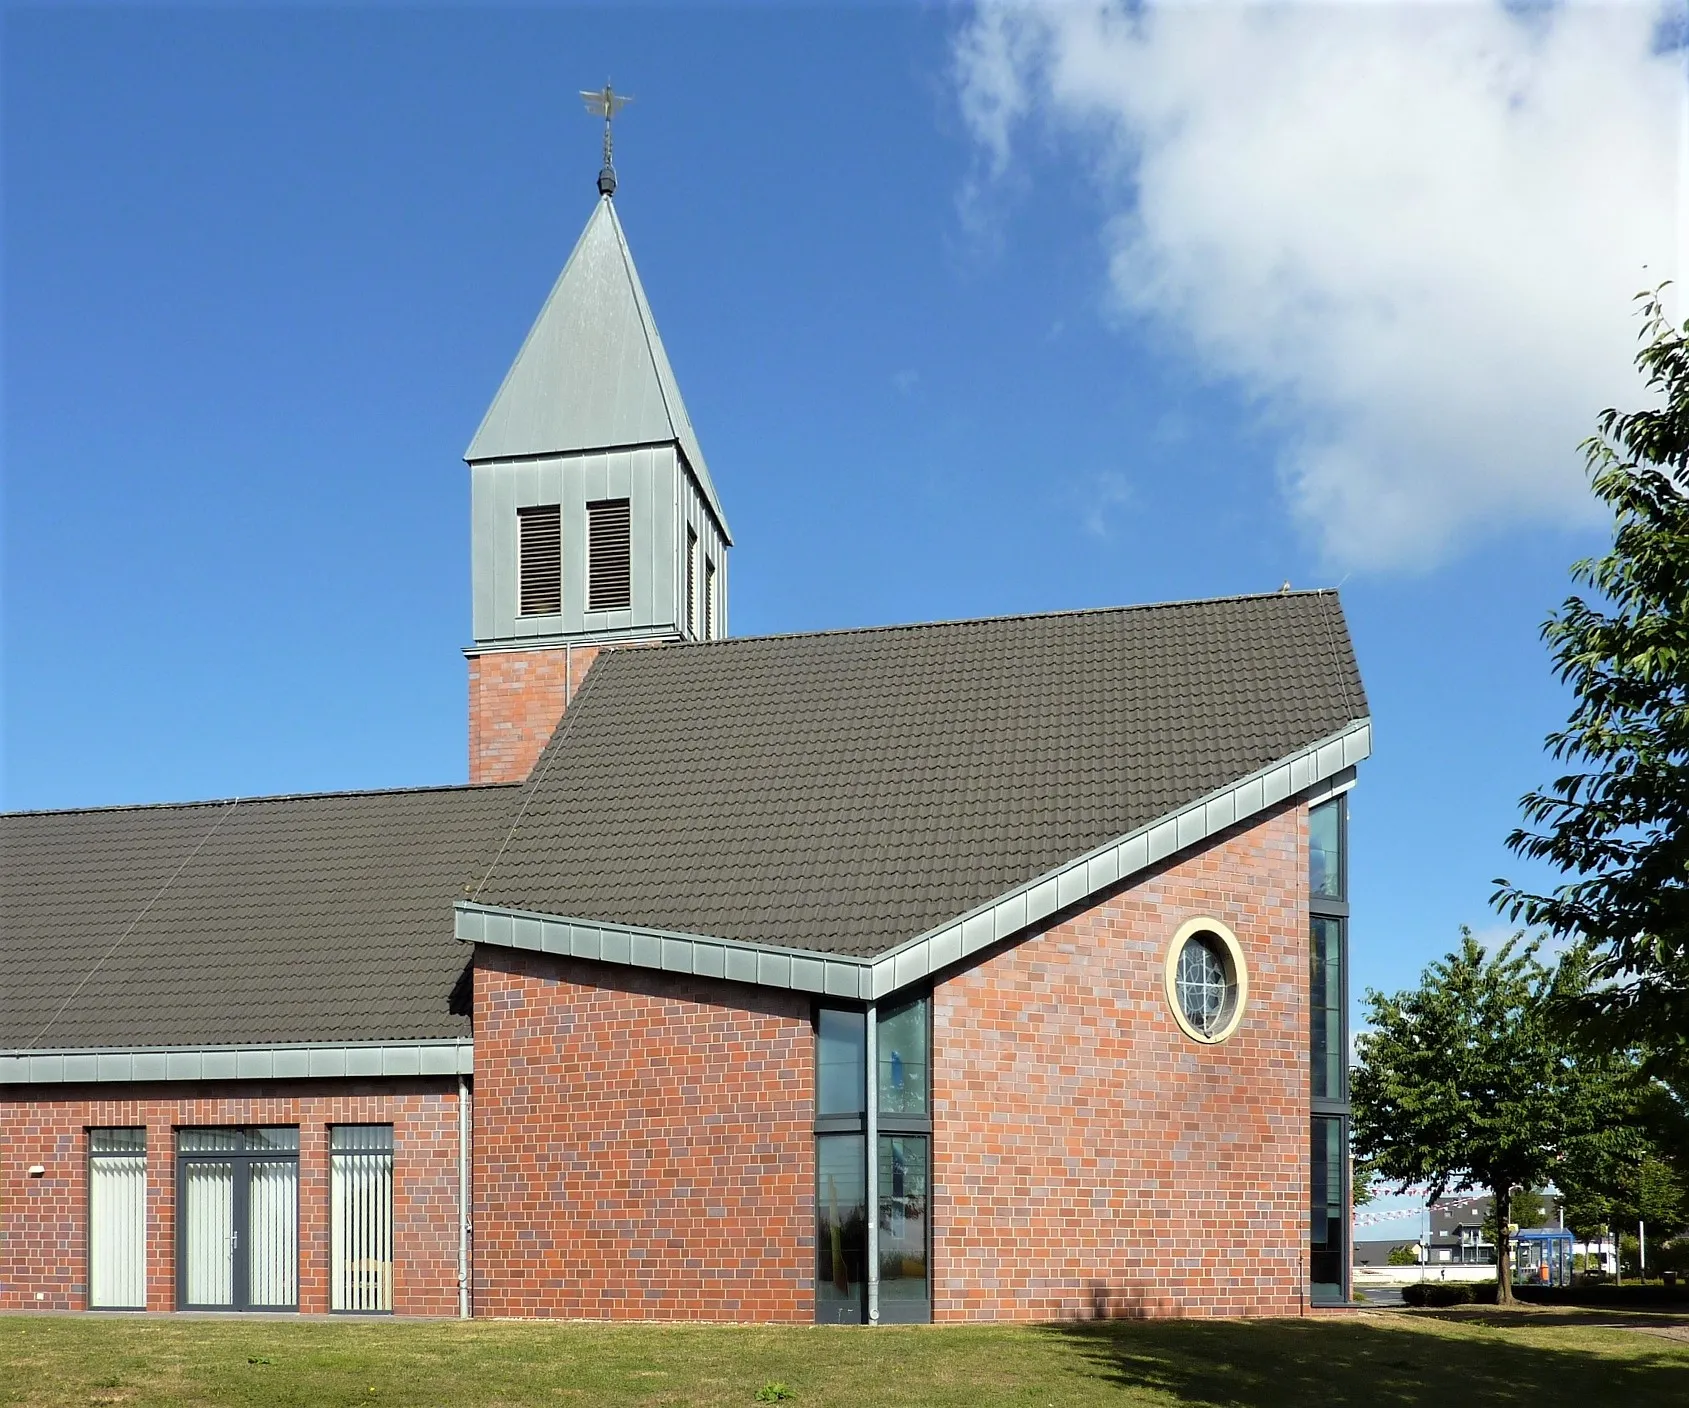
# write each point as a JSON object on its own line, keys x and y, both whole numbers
{"x": 1527, "y": 1358}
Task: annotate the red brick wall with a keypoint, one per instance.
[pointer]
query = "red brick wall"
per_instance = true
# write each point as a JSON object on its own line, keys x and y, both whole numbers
{"x": 643, "y": 1144}
{"x": 1091, "y": 1158}
{"x": 516, "y": 698}
{"x": 44, "y": 1221}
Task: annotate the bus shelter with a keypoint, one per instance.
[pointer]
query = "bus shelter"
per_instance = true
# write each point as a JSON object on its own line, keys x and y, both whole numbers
{"x": 1542, "y": 1256}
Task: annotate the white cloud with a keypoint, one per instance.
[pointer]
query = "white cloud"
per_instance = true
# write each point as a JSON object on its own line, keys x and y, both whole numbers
{"x": 1412, "y": 231}
{"x": 1103, "y": 500}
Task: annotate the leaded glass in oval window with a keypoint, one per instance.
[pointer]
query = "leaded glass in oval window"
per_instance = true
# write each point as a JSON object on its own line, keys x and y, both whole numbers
{"x": 1205, "y": 987}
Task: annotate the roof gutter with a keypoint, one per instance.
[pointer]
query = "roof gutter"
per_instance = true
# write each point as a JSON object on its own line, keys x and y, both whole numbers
{"x": 450, "y": 1056}
{"x": 1320, "y": 770}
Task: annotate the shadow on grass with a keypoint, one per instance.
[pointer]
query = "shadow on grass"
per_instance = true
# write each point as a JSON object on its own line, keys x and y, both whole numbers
{"x": 1382, "y": 1362}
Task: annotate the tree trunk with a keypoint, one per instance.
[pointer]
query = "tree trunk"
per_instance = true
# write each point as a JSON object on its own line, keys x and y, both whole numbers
{"x": 1503, "y": 1246}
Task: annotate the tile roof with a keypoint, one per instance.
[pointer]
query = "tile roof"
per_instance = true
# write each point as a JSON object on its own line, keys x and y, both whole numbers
{"x": 308, "y": 918}
{"x": 845, "y": 791}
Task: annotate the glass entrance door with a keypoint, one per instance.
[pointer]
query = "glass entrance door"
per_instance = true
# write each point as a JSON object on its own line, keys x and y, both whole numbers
{"x": 238, "y": 1220}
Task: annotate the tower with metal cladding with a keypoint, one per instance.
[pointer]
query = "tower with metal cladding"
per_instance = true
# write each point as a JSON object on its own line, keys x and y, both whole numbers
{"x": 594, "y": 519}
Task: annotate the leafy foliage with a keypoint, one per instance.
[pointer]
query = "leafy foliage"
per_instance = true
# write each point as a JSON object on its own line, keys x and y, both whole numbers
{"x": 1615, "y": 823}
{"x": 1466, "y": 1081}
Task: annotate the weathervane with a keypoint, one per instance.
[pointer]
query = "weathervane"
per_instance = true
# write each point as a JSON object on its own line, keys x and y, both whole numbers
{"x": 606, "y": 103}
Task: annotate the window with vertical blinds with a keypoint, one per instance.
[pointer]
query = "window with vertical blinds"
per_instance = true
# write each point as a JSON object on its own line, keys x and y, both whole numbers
{"x": 117, "y": 1219}
{"x": 361, "y": 1217}
{"x": 609, "y": 555}
{"x": 540, "y": 560}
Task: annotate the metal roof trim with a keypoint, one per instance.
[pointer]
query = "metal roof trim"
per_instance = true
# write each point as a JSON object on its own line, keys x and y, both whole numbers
{"x": 1316, "y": 772}
{"x": 308, "y": 1060}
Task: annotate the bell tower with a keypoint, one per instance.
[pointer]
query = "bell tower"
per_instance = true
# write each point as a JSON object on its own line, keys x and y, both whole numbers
{"x": 594, "y": 520}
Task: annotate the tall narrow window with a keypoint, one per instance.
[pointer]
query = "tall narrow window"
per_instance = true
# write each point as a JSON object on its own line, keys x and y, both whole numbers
{"x": 711, "y": 630}
{"x": 1328, "y": 995}
{"x": 900, "y": 1088}
{"x": 1325, "y": 850}
{"x": 361, "y": 1217}
{"x": 609, "y": 555}
{"x": 1326, "y": 1006}
{"x": 1327, "y": 1224}
{"x": 841, "y": 1228}
{"x": 238, "y": 1225}
{"x": 540, "y": 560}
{"x": 841, "y": 1055}
{"x": 692, "y": 584}
{"x": 117, "y": 1219}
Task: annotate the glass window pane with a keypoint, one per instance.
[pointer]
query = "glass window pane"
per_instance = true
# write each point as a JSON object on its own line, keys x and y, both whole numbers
{"x": 275, "y": 1137}
{"x": 1206, "y": 987}
{"x": 1327, "y": 1229}
{"x": 117, "y": 1141}
{"x": 194, "y": 1141}
{"x": 903, "y": 1060}
{"x": 361, "y": 1219}
{"x": 1325, "y": 858}
{"x": 903, "y": 1218}
{"x": 1326, "y": 1007}
{"x": 208, "y": 1192}
{"x": 841, "y": 1226}
{"x": 841, "y": 1060}
{"x": 360, "y": 1136}
{"x": 117, "y": 1227}
{"x": 272, "y": 1211}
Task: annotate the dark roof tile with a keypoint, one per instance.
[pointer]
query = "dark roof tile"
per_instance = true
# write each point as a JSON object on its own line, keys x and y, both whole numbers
{"x": 313, "y": 918}
{"x": 848, "y": 790}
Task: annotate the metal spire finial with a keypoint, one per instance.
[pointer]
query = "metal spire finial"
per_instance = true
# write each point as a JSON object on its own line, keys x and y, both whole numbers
{"x": 606, "y": 103}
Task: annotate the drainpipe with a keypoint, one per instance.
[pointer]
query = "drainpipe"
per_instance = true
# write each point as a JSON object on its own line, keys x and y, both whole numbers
{"x": 462, "y": 1198}
{"x": 873, "y": 1183}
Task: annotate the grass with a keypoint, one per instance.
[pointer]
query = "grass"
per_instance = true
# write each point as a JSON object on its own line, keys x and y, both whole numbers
{"x": 1525, "y": 1357}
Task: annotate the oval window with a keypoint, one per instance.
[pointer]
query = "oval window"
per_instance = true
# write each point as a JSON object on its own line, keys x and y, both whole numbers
{"x": 1207, "y": 984}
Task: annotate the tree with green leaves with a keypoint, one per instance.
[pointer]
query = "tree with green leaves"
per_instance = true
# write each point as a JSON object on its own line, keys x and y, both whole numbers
{"x": 1615, "y": 823}
{"x": 1628, "y": 1169}
{"x": 1466, "y": 1082}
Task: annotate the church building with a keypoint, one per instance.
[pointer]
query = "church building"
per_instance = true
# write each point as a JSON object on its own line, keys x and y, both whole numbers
{"x": 972, "y": 970}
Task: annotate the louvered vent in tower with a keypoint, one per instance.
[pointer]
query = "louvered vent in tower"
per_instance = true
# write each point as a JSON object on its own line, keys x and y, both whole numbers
{"x": 540, "y": 559}
{"x": 692, "y": 582}
{"x": 609, "y": 556}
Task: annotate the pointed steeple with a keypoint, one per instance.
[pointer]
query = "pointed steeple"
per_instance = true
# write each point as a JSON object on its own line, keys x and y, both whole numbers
{"x": 592, "y": 374}
{"x": 593, "y": 520}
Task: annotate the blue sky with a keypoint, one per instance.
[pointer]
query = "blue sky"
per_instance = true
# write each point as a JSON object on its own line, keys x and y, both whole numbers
{"x": 974, "y": 313}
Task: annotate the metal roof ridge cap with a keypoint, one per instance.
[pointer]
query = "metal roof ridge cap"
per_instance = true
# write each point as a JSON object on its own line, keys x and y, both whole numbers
{"x": 257, "y": 801}
{"x": 889, "y": 626}
{"x": 1351, "y": 729}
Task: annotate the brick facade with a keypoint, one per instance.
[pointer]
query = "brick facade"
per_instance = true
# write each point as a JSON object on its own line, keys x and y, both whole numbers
{"x": 643, "y": 1144}
{"x": 1089, "y": 1158}
{"x": 44, "y": 1221}
{"x": 516, "y": 698}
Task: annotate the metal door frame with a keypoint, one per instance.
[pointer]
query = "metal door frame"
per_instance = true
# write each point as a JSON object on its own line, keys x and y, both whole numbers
{"x": 239, "y": 1215}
